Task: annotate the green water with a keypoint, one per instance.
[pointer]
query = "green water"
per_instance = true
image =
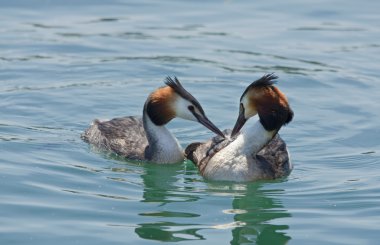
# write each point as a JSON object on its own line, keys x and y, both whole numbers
{"x": 64, "y": 63}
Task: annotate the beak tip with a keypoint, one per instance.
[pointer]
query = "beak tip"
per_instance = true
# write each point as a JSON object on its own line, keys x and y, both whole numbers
{"x": 219, "y": 132}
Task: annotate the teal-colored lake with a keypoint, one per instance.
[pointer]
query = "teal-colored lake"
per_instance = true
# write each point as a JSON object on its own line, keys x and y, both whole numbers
{"x": 65, "y": 63}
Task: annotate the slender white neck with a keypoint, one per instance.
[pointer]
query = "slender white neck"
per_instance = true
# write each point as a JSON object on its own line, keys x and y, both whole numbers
{"x": 252, "y": 139}
{"x": 163, "y": 146}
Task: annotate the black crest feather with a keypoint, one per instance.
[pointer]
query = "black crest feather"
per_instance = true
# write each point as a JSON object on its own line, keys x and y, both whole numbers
{"x": 264, "y": 81}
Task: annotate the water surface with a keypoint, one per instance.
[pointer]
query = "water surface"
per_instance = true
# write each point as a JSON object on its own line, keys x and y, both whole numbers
{"x": 64, "y": 63}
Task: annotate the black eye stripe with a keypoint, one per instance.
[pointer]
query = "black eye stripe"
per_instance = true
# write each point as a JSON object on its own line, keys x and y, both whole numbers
{"x": 196, "y": 104}
{"x": 181, "y": 91}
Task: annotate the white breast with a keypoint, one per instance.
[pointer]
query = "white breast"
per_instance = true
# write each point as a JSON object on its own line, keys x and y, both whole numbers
{"x": 164, "y": 147}
{"x": 237, "y": 161}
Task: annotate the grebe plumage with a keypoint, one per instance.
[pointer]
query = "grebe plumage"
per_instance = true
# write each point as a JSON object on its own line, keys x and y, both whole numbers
{"x": 146, "y": 138}
{"x": 258, "y": 152}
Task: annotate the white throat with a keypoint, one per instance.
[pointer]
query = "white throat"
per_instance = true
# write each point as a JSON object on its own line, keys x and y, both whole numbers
{"x": 163, "y": 146}
{"x": 251, "y": 140}
{"x": 237, "y": 160}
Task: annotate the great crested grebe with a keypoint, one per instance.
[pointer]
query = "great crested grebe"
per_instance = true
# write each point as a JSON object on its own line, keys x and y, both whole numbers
{"x": 147, "y": 138}
{"x": 257, "y": 152}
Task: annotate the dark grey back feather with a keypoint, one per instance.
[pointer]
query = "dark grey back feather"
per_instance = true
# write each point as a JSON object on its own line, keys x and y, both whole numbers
{"x": 276, "y": 157}
{"x": 124, "y": 136}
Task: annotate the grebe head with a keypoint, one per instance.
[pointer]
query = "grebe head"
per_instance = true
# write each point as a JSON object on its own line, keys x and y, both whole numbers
{"x": 174, "y": 100}
{"x": 263, "y": 98}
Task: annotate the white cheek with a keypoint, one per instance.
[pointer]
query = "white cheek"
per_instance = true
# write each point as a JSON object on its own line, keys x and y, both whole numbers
{"x": 248, "y": 110}
{"x": 182, "y": 110}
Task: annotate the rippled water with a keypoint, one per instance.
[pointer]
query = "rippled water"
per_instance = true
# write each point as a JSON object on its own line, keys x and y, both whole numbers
{"x": 64, "y": 63}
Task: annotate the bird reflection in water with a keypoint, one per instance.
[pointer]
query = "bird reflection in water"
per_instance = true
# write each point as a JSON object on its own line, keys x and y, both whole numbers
{"x": 254, "y": 210}
{"x": 163, "y": 186}
{"x": 172, "y": 211}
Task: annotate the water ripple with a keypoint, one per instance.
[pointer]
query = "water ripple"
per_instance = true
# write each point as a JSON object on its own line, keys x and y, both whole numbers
{"x": 64, "y": 63}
